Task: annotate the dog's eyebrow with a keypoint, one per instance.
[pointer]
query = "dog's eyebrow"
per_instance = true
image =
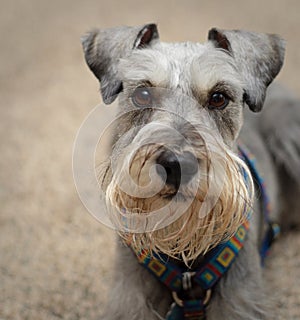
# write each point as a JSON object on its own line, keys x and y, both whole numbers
{"x": 145, "y": 83}
{"x": 145, "y": 66}
{"x": 224, "y": 87}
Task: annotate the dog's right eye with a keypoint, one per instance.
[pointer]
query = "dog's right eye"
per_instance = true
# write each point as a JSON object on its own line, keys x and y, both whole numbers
{"x": 142, "y": 97}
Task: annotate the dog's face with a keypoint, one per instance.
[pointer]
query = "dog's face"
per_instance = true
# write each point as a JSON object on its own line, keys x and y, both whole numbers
{"x": 173, "y": 182}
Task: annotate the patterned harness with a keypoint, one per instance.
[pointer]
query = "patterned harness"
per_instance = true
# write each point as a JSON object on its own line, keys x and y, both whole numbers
{"x": 189, "y": 305}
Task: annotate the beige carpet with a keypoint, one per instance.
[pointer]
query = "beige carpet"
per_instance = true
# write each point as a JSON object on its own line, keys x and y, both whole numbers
{"x": 55, "y": 259}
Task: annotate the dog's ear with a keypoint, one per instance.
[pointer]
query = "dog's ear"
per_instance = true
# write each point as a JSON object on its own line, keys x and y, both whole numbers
{"x": 104, "y": 48}
{"x": 259, "y": 58}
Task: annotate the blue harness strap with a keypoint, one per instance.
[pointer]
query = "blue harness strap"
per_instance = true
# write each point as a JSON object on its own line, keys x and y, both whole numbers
{"x": 273, "y": 229}
{"x": 191, "y": 310}
{"x": 215, "y": 264}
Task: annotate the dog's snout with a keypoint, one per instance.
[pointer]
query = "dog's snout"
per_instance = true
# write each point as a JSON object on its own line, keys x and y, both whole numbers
{"x": 177, "y": 168}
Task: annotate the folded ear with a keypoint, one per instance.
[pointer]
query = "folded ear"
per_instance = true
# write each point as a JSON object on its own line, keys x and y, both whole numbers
{"x": 258, "y": 57}
{"x": 104, "y": 48}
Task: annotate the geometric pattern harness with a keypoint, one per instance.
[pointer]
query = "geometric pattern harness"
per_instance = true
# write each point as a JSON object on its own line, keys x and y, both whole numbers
{"x": 215, "y": 264}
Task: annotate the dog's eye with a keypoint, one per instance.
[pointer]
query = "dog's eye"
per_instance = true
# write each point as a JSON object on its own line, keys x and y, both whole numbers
{"x": 218, "y": 100}
{"x": 142, "y": 97}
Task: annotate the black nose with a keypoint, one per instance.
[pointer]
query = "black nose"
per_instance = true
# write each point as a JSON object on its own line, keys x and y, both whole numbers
{"x": 179, "y": 168}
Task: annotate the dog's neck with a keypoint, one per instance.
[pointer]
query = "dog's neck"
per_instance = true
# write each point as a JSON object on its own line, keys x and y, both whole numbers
{"x": 192, "y": 265}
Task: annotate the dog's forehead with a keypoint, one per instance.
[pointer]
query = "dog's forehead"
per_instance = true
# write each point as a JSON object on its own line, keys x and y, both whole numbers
{"x": 180, "y": 51}
{"x": 185, "y": 65}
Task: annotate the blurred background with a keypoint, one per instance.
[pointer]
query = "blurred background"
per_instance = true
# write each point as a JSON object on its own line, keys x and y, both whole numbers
{"x": 55, "y": 259}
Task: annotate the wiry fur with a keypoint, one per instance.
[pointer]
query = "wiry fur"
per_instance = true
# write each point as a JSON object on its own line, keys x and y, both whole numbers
{"x": 192, "y": 233}
{"x": 182, "y": 78}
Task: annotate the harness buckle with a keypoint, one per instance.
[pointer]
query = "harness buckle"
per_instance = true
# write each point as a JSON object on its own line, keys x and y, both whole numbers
{"x": 180, "y": 303}
{"x": 187, "y": 284}
{"x": 187, "y": 280}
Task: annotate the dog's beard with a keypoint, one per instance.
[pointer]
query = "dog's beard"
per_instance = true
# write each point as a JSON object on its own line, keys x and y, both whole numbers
{"x": 205, "y": 212}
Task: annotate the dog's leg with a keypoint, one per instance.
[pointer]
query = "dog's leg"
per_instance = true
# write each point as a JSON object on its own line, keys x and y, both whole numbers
{"x": 135, "y": 292}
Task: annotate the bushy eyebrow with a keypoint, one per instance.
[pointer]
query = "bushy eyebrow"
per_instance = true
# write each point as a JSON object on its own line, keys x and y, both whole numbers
{"x": 145, "y": 66}
{"x": 225, "y": 87}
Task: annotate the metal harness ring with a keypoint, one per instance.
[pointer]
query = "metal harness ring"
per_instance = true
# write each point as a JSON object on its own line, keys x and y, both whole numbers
{"x": 179, "y": 302}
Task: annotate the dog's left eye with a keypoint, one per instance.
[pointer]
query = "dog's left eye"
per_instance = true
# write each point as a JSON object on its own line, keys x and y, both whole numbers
{"x": 142, "y": 97}
{"x": 218, "y": 100}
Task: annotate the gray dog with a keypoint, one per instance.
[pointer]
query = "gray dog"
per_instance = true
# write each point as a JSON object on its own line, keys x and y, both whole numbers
{"x": 191, "y": 204}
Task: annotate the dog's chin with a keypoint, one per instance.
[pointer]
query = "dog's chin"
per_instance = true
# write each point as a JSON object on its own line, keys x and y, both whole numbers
{"x": 190, "y": 231}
